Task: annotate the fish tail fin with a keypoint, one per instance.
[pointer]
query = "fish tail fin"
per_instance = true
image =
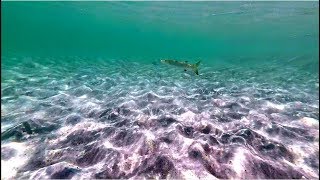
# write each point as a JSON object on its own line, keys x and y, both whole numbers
{"x": 195, "y": 68}
{"x": 198, "y": 63}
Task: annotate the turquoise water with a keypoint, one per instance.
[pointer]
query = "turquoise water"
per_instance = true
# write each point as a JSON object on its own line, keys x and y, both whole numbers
{"x": 147, "y": 31}
{"x": 83, "y": 92}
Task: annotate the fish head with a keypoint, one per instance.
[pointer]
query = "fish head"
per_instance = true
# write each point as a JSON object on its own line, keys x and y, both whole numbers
{"x": 164, "y": 61}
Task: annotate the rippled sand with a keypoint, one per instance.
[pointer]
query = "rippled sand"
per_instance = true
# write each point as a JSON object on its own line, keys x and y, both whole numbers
{"x": 128, "y": 120}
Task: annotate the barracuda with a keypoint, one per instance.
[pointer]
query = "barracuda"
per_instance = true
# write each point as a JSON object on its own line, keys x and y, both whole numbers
{"x": 185, "y": 65}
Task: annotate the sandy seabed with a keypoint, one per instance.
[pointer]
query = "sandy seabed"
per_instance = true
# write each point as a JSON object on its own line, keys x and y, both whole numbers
{"x": 128, "y": 120}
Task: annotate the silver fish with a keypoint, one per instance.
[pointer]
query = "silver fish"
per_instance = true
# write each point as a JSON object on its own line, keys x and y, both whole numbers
{"x": 184, "y": 65}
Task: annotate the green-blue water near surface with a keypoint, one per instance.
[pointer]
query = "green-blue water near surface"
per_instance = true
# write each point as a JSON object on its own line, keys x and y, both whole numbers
{"x": 84, "y": 93}
{"x": 146, "y": 31}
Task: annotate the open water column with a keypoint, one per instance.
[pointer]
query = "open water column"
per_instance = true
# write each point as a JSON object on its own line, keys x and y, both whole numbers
{"x": 85, "y": 95}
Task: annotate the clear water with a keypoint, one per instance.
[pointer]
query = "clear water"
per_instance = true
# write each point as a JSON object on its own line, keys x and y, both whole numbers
{"x": 84, "y": 95}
